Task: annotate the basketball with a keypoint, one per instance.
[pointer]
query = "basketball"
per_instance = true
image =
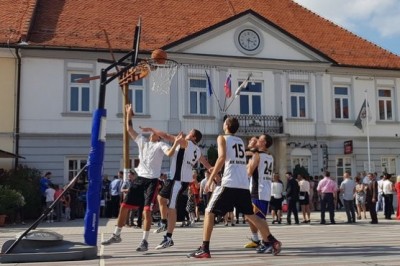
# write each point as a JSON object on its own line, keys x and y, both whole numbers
{"x": 159, "y": 56}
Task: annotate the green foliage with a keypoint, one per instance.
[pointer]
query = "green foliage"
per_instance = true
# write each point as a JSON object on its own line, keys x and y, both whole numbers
{"x": 10, "y": 199}
{"x": 26, "y": 181}
{"x": 212, "y": 155}
{"x": 300, "y": 170}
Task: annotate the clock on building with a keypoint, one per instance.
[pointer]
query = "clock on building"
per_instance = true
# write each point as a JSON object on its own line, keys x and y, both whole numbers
{"x": 249, "y": 40}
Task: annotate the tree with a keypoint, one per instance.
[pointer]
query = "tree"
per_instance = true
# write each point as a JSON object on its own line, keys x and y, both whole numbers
{"x": 300, "y": 170}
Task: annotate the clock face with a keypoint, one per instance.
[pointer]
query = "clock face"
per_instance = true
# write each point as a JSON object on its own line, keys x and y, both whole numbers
{"x": 249, "y": 40}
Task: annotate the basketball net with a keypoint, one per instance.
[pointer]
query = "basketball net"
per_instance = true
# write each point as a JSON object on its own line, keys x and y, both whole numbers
{"x": 162, "y": 75}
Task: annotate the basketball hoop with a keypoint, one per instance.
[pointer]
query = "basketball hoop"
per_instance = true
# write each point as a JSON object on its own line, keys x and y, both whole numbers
{"x": 162, "y": 74}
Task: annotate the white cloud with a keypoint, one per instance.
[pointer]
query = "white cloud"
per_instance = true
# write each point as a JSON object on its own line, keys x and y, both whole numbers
{"x": 382, "y": 16}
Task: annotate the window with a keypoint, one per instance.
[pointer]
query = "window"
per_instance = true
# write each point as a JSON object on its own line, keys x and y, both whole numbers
{"x": 198, "y": 104}
{"x": 78, "y": 92}
{"x": 298, "y": 100}
{"x": 250, "y": 98}
{"x": 302, "y": 161}
{"x": 343, "y": 165}
{"x": 74, "y": 166}
{"x": 388, "y": 164}
{"x": 136, "y": 96}
{"x": 385, "y": 101}
{"x": 341, "y": 102}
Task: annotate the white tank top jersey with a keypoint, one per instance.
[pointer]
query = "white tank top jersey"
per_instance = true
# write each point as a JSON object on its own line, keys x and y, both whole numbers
{"x": 265, "y": 170}
{"x": 235, "y": 172}
{"x": 183, "y": 162}
{"x": 151, "y": 155}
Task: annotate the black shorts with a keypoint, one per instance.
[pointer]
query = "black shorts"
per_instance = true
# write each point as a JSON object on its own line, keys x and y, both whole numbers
{"x": 135, "y": 196}
{"x": 304, "y": 198}
{"x": 224, "y": 199}
{"x": 172, "y": 190}
{"x": 150, "y": 190}
{"x": 276, "y": 204}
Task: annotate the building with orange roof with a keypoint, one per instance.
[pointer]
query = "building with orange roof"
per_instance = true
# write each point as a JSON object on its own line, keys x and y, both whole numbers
{"x": 308, "y": 80}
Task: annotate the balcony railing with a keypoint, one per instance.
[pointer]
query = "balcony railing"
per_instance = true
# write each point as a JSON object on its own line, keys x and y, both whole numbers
{"x": 259, "y": 124}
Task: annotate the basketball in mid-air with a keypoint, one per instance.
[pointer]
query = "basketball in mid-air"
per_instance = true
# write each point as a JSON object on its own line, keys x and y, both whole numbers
{"x": 159, "y": 56}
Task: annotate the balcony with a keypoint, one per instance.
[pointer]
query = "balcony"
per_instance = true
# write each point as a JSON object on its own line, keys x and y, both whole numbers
{"x": 259, "y": 124}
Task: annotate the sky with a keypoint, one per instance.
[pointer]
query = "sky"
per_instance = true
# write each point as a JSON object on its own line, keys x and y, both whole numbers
{"x": 377, "y": 21}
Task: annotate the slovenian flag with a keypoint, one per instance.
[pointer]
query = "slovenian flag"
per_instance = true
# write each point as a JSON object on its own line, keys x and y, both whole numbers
{"x": 210, "y": 90}
{"x": 228, "y": 87}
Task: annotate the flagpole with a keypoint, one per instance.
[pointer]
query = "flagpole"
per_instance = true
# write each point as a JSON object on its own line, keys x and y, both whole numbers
{"x": 238, "y": 90}
{"x": 367, "y": 118}
{"x": 213, "y": 92}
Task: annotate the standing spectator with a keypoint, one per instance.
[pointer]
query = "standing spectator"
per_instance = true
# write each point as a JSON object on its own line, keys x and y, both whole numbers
{"x": 380, "y": 204}
{"x": 365, "y": 178}
{"x": 387, "y": 188}
{"x": 44, "y": 184}
{"x": 348, "y": 188}
{"x": 276, "y": 199}
{"x": 115, "y": 193}
{"x": 339, "y": 203}
{"x": 194, "y": 187}
{"x": 327, "y": 190}
{"x": 304, "y": 198}
{"x": 312, "y": 188}
{"x": 316, "y": 197}
{"x": 397, "y": 188}
{"x": 124, "y": 191}
{"x": 59, "y": 204}
{"x": 372, "y": 197}
{"x": 191, "y": 207}
{"x": 105, "y": 197}
{"x": 292, "y": 196}
{"x": 360, "y": 198}
{"x": 67, "y": 206}
{"x": 50, "y": 191}
{"x": 203, "y": 193}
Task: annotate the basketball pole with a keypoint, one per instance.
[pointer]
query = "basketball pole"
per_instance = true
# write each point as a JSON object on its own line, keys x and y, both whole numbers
{"x": 96, "y": 154}
{"x": 126, "y": 100}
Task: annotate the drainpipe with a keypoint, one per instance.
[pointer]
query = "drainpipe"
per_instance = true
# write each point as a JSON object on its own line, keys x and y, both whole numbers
{"x": 17, "y": 106}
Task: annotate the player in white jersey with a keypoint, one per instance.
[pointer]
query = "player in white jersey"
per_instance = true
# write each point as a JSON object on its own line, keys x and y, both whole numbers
{"x": 186, "y": 155}
{"x": 233, "y": 192}
{"x": 151, "y": 153}
{"x": 260, "y": 169}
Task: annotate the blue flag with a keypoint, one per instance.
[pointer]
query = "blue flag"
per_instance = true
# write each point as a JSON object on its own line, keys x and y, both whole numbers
{"x": 210, "y": 90}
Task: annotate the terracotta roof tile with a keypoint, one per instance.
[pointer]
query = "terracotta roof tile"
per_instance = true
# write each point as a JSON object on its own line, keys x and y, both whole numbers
{"x": 15, "y": 19}
{"x": 80, "y": 24}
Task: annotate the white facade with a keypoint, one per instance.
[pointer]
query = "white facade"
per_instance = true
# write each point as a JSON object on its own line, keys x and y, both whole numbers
{"x": 53, "y": 136}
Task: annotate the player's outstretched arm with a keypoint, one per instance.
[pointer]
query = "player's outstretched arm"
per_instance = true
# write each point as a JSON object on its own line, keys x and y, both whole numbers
{"x": 129, "y": 125}
{"x": 177, "y": 141}
{"x": 253, "y": 163}
{"x": 160, "y": 133}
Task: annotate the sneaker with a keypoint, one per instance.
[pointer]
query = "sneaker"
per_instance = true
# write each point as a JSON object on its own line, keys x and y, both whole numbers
{"x": 166, "y": 243}
{"x": 252, "y": 244}
{"x": 277, "y": 246}
{"x": 143, "y": 246}
{"x": 162, "y": 227}
{"x": 264, "y": 248}
{"x": 191, "y": 224}
{"x": 200, "y": 253}
{"x": 113, "y": 239}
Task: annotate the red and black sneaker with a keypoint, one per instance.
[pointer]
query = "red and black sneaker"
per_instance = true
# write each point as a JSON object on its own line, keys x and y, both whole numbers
{"x": 276, "y": 247}
{"x": 200, "y": 253}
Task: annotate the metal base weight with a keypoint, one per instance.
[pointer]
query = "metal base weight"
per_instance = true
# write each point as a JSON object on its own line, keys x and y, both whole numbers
{"x": 43, "y": 245}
